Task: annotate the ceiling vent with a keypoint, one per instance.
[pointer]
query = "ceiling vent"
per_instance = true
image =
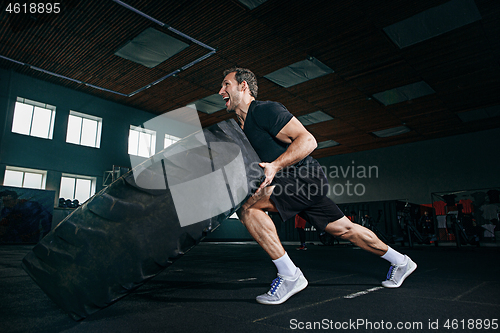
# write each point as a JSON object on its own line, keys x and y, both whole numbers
{"x": 479, "y": 114}
{"x": 433, "y": 22}
{"x": 314, "y": 118}
{"x": 251, "y": 4}
{"x": 151, "y": 48}
{"x": 299, "y": 72}
{"x": 210, "y": 104}
{"x": 327, "y": 143}
{"x": 404, "y": 93}
{"x": 391, "y": 132}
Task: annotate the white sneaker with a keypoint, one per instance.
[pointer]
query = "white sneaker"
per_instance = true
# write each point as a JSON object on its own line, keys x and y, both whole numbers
{"x": 283, "y": 287}
{"x": 398, "y": 273}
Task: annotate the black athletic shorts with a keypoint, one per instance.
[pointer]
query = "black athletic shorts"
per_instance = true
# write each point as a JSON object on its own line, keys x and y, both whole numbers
{"x": 302, "y": 189}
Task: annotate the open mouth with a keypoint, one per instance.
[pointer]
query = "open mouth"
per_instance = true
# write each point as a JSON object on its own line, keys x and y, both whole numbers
{"x": 226, "y": 99}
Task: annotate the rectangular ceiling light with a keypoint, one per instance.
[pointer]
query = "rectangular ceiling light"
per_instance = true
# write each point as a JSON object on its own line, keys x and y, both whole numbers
{"x": 404, "y": 93}
{"x": 151, "y": 48}
{"x": 433, "y": 22}
{"x": 391, "y": 131}
{"x": 299, "y": 72}
{"x": 479, "y": 114}
{"x": 327, "y": 143}
{"x": 210, "y": 104}
{"x": 251, "y": 4}
{"x": 314, "y": 118}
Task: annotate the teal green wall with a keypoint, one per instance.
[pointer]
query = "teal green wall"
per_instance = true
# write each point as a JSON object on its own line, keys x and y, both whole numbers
{"x": 56, "y": 156}
{"x": 405, "y": 172}
{"x": 413, "y": 171}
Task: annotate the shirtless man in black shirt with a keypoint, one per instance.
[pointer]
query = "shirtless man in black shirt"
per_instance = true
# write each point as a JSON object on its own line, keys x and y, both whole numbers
{"x": 294, "y": 184}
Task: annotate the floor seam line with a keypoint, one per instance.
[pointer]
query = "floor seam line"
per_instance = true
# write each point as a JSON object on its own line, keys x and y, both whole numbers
{"x": 297, "y": 309}
{"x": 469, "y": 291}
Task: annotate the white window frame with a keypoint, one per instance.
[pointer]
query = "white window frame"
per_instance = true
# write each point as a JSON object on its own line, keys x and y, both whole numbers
{"x": 97, "y": 140}
{"x": 34, "y": 104}
{"x": 170, "y": 140}
{"x": 93, "y": 181}
{"x": 139, "y": 131}
{"x": 43, "y": 173}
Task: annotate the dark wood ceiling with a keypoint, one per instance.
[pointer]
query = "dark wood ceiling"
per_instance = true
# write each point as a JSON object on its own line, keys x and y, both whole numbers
{"x": 462, "y": 66}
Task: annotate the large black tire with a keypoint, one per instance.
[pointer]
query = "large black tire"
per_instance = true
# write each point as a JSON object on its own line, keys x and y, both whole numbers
{"x": 127, "y": 234}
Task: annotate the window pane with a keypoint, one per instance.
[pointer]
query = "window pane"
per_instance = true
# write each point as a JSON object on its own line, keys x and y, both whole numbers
{"x": 133, "y": 141}
{"x": 67, "y": 188}
{"x": 13, "y": 178}
{"x": 169, "y": 142}
{"x": 51, "y": 125}
{"x": 83, "y": 187}
{"x": 89, "y": 132}
{"x": 98, "y": 138}
{"x": 41, "y": 122}
{"x": 22, "y": 118}
{"x": 74, "y": 127}
{"x": 144, "y": 145}
{"x": 32, "y": 180}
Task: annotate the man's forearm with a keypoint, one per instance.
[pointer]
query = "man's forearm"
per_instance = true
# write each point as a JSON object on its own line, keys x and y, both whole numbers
{"x": 299, "y": 149}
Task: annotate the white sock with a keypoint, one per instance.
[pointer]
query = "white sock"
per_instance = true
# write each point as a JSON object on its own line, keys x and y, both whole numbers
{"x": 393, "y": 256}
{"x": 285, "y": 265}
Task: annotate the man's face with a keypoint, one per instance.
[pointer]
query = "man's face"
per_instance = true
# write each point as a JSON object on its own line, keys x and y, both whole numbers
{"x": 231, "y": 91}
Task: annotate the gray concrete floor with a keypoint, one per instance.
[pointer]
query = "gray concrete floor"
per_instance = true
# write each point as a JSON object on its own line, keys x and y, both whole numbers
{"x": 213, "y": 288}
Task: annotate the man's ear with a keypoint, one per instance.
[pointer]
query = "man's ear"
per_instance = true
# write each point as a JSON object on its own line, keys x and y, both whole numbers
{"x": 245, "y": 86}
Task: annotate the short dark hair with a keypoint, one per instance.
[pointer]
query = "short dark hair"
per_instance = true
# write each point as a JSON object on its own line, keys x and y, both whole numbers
{"x": 243, "y": 74}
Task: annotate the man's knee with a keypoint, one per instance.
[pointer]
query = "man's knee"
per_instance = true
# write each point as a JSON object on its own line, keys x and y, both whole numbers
{"x": 342, "y": 228}
{"x": 258, "y": 203}
{"x": 243, "y": 213}
{"x": 247, "y": 214}
{"x": 345, "y": 234}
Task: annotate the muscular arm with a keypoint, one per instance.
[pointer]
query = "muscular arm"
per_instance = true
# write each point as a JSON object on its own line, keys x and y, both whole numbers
{"x": 302, "y": 143}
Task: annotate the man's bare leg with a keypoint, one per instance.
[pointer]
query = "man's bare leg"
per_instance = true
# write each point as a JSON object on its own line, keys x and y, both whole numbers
{"x": 401, "y": 265}
{"x": 358, "y": 235}
{"x": 290, "y": 279}
{"x": 260, "y": 226}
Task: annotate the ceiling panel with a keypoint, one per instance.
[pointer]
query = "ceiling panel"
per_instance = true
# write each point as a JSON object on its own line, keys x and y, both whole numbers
{"x": 462, "y": 66}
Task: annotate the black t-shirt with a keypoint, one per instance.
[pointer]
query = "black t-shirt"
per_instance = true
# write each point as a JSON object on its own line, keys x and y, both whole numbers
{"x": 264, "y": 121}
